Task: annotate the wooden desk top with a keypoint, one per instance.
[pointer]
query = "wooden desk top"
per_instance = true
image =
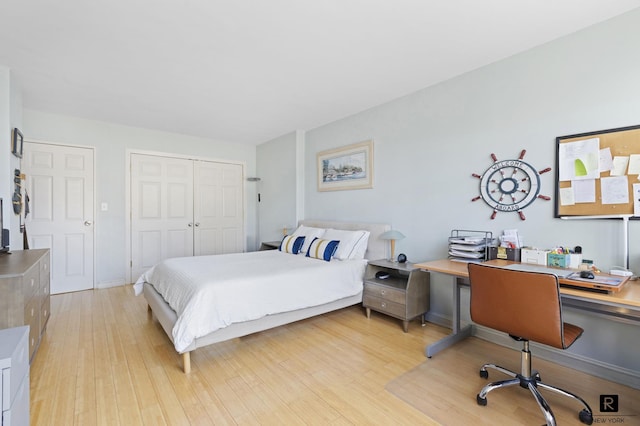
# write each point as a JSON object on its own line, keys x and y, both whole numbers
{"x": 629, "y": 295}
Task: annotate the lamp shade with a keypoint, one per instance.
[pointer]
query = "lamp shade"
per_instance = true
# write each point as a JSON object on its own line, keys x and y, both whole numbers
{"x": 392, "y": 235}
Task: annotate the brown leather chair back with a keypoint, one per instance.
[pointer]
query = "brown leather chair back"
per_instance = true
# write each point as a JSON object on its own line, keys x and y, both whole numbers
{"x": 522, "y": 304}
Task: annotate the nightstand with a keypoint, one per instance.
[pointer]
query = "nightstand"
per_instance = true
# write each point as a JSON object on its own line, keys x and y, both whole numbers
{"x": 269, "y": 245}
{"x": 403, "y": 295}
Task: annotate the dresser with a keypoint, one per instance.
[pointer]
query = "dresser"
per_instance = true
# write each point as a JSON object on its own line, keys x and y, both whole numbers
{"x": 24, "y": 292}
{"x": 14, "y": 376}
{"x": 397, "y": 289}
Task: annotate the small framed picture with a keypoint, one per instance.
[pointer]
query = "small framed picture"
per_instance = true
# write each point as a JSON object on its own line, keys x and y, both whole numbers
{"x": 347, "y": 167}
{"x": 16, "y": 143}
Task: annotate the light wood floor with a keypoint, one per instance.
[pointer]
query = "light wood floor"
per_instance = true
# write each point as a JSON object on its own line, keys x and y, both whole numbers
{"x": 105, "y": 361}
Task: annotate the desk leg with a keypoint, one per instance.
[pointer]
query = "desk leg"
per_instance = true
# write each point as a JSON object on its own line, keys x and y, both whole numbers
{"x": 457, "y": 333}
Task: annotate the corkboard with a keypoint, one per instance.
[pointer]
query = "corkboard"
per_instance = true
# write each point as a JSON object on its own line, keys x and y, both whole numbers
{"x": 622, "y": 142}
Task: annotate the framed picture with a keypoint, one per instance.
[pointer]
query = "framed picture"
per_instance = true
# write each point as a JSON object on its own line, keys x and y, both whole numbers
{"x": 348, "y": 167}
{"x": 16, "y": 143}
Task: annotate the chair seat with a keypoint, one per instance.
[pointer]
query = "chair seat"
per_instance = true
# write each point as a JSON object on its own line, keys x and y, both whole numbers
{"x": 571, "y": 334}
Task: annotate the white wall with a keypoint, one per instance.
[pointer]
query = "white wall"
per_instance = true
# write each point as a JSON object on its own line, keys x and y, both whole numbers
{"x": 5, "y": 145}
{"x": 111, "y": 142}
{"x": 277, "y": 186}
{"x": 429, "y": 143}
{"x": 10, "y": 117}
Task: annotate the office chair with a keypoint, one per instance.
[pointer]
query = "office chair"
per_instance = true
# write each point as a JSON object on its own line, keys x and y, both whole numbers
{"x": 527, "y": 306}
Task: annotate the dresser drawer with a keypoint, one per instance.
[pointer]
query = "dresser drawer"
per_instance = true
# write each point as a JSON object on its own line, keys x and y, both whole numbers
{"x": 32, "y": 319}
{"x": 384, "y": 292}
{"x": 45, "y": 312}
{"x": 31, "y": 283}
{"x": 397, "y": 310}
{"x": 44, "y": 265}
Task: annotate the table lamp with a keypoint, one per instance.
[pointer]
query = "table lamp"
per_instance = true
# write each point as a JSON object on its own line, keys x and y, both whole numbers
{"x": 392, "y": 235}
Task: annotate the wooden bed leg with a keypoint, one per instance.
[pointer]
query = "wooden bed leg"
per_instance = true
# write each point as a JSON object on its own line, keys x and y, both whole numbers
{"x": 186, "y": 362}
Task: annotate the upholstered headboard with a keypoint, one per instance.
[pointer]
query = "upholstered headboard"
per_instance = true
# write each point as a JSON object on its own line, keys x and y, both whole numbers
{"x": 377, "y": 248}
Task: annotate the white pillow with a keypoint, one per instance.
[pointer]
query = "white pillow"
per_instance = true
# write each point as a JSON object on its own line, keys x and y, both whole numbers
{"x": 349, "y": 243}
{"x": 309, "y": 233}
{"x": 361, "y": 247}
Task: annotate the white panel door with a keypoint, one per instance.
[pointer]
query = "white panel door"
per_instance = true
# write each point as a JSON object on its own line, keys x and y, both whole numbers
{"x": 218, "y": 209}
{"x": 59, "y": 181}
{"x": 161, "y": 210}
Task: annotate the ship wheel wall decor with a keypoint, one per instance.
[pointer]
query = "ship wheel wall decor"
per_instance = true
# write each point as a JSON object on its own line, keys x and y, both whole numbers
{"x": 510, "y": 185}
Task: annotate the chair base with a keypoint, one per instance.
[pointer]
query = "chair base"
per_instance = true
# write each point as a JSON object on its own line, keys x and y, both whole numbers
{"x": 531, "y": 380}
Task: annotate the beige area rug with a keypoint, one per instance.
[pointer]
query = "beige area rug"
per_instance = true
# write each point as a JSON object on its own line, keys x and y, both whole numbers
{"x": 445, "y": 386}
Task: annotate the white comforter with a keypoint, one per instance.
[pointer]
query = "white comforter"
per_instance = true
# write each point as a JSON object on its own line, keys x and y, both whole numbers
{"x": 211, "y": 292}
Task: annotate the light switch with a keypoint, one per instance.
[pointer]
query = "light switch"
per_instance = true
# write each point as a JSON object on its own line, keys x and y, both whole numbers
{"x": 104, "y": 207}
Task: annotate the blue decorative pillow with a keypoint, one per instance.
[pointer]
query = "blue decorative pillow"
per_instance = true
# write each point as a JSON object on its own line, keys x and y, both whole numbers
{"x": 291, "y": 244}
{"x": 322, "y": 249}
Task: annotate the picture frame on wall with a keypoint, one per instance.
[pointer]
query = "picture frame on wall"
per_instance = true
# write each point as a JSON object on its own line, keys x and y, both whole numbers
{"x": 16, "y": 143}
{"x": 347, "y": 167}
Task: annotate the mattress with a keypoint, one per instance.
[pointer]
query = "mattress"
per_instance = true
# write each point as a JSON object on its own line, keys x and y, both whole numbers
{"x": 212, "y": 292}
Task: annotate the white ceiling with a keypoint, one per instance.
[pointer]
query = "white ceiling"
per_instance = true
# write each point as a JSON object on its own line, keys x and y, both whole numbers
{"x": 250, "y": 70}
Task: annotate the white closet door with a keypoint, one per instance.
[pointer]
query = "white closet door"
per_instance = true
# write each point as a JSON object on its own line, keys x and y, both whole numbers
{"x": 161, "y": 210}
{"x": 218, "y": 209}
{"x": 60, "y": 185}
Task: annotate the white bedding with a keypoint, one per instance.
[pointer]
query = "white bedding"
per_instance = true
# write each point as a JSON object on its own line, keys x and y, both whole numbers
{"x": 211, "y": 292}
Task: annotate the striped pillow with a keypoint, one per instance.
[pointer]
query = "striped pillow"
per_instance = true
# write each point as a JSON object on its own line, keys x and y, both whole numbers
{"x": 291, "y": 244}
{"x": 322, "y": 249}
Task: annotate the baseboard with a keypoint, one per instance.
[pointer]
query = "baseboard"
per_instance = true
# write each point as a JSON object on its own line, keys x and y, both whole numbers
{"x": 438, "y": 319}
{"x": 109, "y": 284}
{"x": 578, "y": 362}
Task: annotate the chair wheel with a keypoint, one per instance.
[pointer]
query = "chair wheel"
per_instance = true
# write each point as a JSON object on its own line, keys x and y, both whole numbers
{"x": 484, "y": 374}
{"x": 585, "y": 417}
{"x": 480, "y": 400}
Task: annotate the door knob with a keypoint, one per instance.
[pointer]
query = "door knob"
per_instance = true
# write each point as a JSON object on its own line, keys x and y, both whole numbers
{"x": 190, "y": 225}
{"x": 88, "y": 223}
{"x": 197, "y": 223}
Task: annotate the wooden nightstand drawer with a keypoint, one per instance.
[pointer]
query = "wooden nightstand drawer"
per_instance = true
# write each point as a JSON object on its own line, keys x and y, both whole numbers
{"x": 396, "y": 289}
{"x": 382, "y": 305}
{"x": 387, "y": 293}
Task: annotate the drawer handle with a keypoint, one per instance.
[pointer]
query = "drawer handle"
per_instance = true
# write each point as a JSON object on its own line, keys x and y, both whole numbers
{"x": 383, "y": 292}
{"x": 32, "y": 311}
{"x": 384, "y": 305}
{"x": 33, "y": 281}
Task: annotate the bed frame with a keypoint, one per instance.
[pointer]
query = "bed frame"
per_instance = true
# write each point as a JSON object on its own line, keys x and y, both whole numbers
{"x": 377, "y": 249}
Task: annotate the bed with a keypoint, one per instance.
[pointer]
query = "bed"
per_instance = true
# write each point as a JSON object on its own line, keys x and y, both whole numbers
{"x": 259, "y": 276}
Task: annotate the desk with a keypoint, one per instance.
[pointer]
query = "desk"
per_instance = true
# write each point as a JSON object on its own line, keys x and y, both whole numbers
{"x": 624, "y": 304}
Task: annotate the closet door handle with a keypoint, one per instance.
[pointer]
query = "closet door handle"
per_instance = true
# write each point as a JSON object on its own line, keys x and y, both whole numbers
{"x": 197, "y": 223}
{"x": 190, "y": 225}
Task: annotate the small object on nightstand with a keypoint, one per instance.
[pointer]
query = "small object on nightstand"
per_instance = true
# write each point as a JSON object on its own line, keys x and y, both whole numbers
{"x": 403, "y": 294}
{"x": 269, "y": 245}
{"x": 382, "y": 275}
{"x": 402, "y": 258}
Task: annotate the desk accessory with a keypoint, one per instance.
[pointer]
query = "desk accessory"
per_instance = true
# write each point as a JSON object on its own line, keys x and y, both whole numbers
{"x": 470, "y": 246}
